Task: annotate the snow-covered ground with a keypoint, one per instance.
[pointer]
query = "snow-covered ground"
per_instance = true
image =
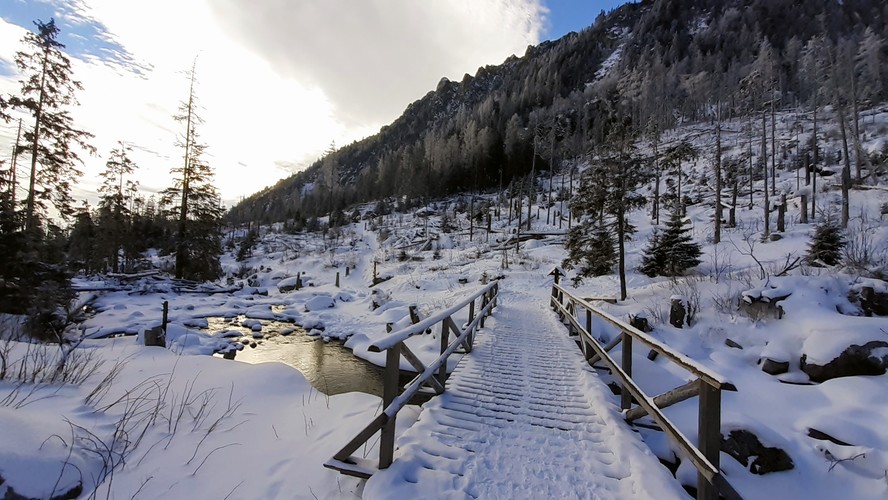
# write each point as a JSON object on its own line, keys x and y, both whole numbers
{"x": 175, "y": 422}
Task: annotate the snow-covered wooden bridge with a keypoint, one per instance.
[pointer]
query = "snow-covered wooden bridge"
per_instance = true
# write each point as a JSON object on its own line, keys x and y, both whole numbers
{"x": 523, "y": 416}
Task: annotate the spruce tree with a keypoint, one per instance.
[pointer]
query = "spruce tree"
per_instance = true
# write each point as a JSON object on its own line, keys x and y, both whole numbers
{"x": 115, "y": 219}
{"x": 826, "y": 243}
{"x": 194, "y": 202}
{"x": 652, "y": 260}
{"x": 47, "y": 93}
{"x": 591, "y": 249}
{"x": 673, "y": 252}
{"x": 33, "y": 268}
{"x": 82, "y": 242}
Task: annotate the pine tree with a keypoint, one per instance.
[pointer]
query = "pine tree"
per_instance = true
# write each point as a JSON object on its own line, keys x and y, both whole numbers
{"x": 607, "y": 188}
{"x": 33, "y": 269}
{"x": 653, "y": 259}
{"x": 82, "y": 242}
{"x": 115, "y": 219}
{"x": 671, "y": 253}
{"x": 194, "y": 202}
{"x": 47, "y": 93}
{"x": 826, "y": 243}
{"x": 591, "y": 249}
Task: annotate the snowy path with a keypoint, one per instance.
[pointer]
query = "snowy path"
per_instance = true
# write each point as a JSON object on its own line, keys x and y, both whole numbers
{"x": 523, "y": 417}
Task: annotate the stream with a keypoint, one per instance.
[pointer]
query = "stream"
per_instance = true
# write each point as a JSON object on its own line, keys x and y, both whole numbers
{"x": 330, "y": 367}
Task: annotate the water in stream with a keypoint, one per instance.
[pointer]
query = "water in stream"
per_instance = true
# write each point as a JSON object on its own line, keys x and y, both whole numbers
{"x": 329, "y": 366}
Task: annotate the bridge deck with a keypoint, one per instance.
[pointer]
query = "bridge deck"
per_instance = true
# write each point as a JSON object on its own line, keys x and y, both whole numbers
{"x": 523, "y": 417}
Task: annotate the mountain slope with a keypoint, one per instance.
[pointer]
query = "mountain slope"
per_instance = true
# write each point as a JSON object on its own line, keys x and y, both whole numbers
{"x": 661, "y": 62}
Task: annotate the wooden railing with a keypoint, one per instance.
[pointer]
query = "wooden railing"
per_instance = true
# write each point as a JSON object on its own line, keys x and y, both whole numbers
{"x": 704, "y": 383}
{"x": 432, "y": 376}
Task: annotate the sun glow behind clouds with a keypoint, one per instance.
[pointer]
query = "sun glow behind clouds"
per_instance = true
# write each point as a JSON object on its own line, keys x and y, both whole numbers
{"x": 278, "y": 80}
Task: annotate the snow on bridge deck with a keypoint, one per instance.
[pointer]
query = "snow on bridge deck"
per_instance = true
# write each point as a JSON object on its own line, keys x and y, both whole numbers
{"x": 523, "y": 417}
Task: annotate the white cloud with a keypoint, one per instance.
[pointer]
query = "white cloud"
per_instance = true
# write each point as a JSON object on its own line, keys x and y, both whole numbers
{"x": 373, "y": 57}
{"x": 278, "y": 79}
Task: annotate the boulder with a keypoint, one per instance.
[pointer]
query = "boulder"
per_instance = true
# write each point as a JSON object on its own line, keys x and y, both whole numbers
{"x": 732, "y": 344}
{"x": 774, "y": 367}
{"x": 678, "y": 311}
{"x": 867, "y": 359}
{"x": 873, "y": 302}
{"x": 762, "y": 303}
{"x": 290, "y": 284}
{"x": 743, "y": 445}
{"x": 319, "y": 302}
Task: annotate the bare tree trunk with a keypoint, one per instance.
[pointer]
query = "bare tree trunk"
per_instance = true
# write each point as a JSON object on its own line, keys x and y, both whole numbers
{"x": 569, "y": 198}
{"x": 773, "y": 149}
{"x": 471, "y": 217}
{"x": 186, "y": 178}
{"x": 656, "y": 210}
{"x": 551, "y": 173}
{"x": 732, "y": 215}
{"x": 30, "y": 218}
{"x": 816, "y": 159}
{"x": 846, "y": 170}
{"x": 718, "y": 184}
{"x": 621, "y": 246}
{"x": 14, "y": 166}
{"x": 858, "y": 151}
{"x": 804, "y": 212}
{"x": 764, "y": 158}
{"x": 749, "y": 170}
{"x": 530, "y": 184}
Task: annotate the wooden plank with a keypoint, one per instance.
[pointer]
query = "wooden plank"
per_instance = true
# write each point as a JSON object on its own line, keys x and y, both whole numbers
{"x": 416, "y": 363}
{"x": 667, "y": 399}
{"x": 610, "y": 345}
{"x": 625, "y": 396}
{"x": 350, "y": 469}
{"x": 344, "y": 455}
{"x": 389, "y": 393}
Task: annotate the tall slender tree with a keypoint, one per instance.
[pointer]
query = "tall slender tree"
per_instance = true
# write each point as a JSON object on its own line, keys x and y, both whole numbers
{"x": 47, "y": 93}
{"x": 194, "y": 201}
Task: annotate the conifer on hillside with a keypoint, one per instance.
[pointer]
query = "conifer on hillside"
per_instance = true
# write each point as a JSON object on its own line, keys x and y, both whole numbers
{"x": 671, "y": 252}
{"x": 826, "y": 243}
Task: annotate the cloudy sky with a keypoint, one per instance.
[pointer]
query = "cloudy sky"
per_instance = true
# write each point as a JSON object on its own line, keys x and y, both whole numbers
{"x": 278, "y": 80}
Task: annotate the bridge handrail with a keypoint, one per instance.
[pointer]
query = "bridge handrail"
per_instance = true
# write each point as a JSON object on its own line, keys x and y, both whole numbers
{"x": 403, "y": 334}
{"x": 701, "y": 371}
{"x": 707, "y": 385}
{"x": 393, "y": 399}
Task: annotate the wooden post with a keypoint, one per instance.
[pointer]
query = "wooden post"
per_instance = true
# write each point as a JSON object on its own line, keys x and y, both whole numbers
{"x": 445, "y": 333}
{"x": 589, "y": 322}
{"x": 166, "y": 310}
{"x": 337, "y": 279}
{"x": 484, "y": 301}
{"x": 389, "y": 393}
{"x": 471, "y": 311}
{"x": 346, "y": 271}
{"x": 708, "y": 436}
{"x": 781, "y": 214}
{"x": 803, "y": 214}
{"x": 298, "y": 281}
{"x": 625, "y": 396}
